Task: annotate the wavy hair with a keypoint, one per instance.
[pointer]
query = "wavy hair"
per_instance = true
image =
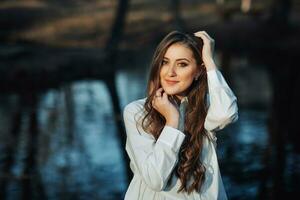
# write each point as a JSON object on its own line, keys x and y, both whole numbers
{"x": 189, "y": 168}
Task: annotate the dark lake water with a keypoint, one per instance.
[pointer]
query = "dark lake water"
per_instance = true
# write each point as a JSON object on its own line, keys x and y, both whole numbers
{"x": 67, "y": 138}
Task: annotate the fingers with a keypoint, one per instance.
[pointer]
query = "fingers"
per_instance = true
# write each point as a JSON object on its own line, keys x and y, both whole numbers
{"x": 158, "y": 92}
{"x": 165, "y": 96}
{"x": 200, "y": 33}
{"x": 203, "y": 35}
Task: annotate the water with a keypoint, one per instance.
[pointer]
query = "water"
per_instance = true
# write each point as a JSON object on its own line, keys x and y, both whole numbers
{"x": 78, "y": 153}
{"x": 241, "y": 149}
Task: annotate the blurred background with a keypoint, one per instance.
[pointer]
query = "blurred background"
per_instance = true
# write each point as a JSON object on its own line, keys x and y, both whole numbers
{"x": 68, "y": 68}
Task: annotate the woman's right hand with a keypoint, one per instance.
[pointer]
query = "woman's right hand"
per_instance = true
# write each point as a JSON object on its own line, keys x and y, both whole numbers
{"x": 167, "y": 109}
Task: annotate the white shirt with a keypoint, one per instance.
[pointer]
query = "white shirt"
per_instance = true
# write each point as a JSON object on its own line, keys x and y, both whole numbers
{"x": 152, "y": 162}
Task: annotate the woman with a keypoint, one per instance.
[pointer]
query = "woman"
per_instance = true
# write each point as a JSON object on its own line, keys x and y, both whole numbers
{"x": 171, "y": 133}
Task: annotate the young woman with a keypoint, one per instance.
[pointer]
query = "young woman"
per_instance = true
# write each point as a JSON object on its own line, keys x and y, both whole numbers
{"x": 171, "y": 133}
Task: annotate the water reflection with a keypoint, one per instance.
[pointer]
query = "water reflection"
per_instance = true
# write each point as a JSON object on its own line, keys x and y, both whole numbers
{"x": 67, "y": 138}
{"x": 241, "y": 149}
{"x": 63, "y": 143}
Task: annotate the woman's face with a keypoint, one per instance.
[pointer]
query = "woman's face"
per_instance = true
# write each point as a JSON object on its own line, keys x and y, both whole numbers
{"x": 178, "y": 70}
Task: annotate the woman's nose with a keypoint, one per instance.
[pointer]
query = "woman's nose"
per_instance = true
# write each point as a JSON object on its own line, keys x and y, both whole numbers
{"x": 171, "y": 70}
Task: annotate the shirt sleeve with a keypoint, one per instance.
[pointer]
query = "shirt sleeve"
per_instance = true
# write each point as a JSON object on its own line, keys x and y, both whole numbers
{"x": 222, "y": 102}
{"x": 152, "y": 160}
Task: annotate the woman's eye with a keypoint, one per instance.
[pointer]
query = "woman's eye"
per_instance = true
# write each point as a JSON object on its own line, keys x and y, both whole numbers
{"x": 182, "y": 64}
{"x": 164, "y": 62}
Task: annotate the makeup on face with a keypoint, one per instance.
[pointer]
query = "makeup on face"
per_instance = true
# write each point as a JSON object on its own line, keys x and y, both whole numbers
{"x": 178, "y": 69}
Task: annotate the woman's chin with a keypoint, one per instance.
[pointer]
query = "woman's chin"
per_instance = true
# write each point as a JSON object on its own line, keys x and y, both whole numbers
{"x": 170, "y": 92}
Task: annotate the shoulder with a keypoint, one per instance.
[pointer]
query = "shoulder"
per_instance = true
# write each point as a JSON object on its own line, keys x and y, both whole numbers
{"x": 134, "y": 107}
{"x": 133, "y": 115}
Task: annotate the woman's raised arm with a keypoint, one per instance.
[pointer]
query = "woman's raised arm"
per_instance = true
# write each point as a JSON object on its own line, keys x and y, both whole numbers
{"x": 222, "y": 102}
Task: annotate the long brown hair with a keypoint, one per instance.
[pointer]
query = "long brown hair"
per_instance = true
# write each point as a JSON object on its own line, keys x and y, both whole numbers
{"x": 189, "y": 168}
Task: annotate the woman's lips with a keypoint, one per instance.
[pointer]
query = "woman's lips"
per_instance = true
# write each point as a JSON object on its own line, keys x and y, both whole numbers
{"x": 170, "y": 82}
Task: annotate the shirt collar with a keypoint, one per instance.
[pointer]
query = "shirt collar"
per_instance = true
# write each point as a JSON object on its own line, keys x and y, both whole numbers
{"x": 184, "y": 99}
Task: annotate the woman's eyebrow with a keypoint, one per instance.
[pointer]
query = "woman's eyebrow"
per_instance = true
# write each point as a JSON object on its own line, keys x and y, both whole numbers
{"x": 179, "y": 59}
{"x": 183, "y": 59}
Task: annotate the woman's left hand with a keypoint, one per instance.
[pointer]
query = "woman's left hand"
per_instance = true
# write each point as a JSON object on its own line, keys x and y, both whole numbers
{"x": 208, "y": 50}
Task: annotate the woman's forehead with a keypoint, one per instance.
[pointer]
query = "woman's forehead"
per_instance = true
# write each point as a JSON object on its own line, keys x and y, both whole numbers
{"x": 179, "y": 50}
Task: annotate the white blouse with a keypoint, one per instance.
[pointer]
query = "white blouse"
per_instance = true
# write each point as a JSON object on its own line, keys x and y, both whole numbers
{"x": 152, "y": 162}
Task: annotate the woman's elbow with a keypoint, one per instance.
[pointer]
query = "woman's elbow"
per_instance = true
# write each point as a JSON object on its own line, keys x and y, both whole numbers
{"x": 234, "y": 117}
{"x": 230, "y": 116}
{"x": 233, "y": 112}
{"x": 222, "y": 119}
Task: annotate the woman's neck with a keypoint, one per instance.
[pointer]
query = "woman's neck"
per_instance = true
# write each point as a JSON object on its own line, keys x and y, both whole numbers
{"x": 177, "y": 99}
